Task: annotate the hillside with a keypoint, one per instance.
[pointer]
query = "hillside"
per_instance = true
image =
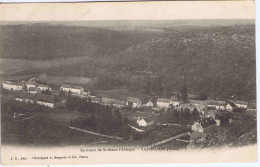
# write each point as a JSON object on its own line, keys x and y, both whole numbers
{"x": 218, "y": 60}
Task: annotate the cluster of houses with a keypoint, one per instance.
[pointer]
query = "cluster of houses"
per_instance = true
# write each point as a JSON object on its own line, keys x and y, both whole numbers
{"x": 31, "y": 91}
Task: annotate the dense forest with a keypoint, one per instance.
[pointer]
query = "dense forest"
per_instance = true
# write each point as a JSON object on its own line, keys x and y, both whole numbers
{"x": 217, "y": 60}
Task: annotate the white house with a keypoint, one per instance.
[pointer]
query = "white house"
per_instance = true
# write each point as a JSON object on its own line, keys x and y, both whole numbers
{"x": 149, "y": 104}
{"x": 230, "y": 106}
{"x": 197, "y": 127}
{"x": 9, "y": 85}
{"x": 145, "y": 122}
{"x": 164, "y": 103}
{"x": 72, "y": 89}
{"x": 133, "y": 102}
{"x": 174, "y": 101}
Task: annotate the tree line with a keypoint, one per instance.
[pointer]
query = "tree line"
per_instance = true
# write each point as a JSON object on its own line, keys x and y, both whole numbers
{"x": 182, "y": 115}
{"x": 103, "y": 119}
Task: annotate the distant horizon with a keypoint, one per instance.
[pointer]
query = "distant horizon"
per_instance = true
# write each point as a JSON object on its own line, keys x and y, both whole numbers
{"x": 124, "y": 23}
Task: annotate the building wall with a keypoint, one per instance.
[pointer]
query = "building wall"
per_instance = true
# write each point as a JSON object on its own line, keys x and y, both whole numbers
{"x": 142, "y": 122}
{"x": 175, "y": 103}
{"x": 12, "y": 87}
{"x": 30, "y": 86}
{"x": 44, "y": 88}
{"x": 242, "y": 105}
{"x": 149, "y": 104}
{"x": 51, "y": 105}
{"x": 229, "y": 107}
{"x": 163, "y": 104}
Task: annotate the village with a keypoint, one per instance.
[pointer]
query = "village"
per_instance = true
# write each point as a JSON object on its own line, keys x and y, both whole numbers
{"x": 193, "y": 117}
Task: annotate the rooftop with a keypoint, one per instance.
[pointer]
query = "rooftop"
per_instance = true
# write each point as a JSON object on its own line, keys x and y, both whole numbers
{"x": 71, "y": 86}
{"x": 13, "y": 83}
{"x": 133, "y": 99}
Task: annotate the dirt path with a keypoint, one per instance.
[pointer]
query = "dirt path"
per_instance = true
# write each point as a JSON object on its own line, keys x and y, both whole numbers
{"x": 93, "y": 133}
{"x": 167, "y": 140}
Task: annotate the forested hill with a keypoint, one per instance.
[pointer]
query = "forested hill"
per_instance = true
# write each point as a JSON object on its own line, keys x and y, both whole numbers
{"x": 218, "y": 60}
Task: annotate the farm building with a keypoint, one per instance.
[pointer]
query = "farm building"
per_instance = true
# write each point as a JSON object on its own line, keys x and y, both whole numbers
{"x": 72, "y": 89}
{"x": 133, "y": 102}
{"x": 16, "y": 86}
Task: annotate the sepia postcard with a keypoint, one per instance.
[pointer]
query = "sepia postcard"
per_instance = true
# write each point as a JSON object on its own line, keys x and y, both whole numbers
{"x": 128, "y": 82}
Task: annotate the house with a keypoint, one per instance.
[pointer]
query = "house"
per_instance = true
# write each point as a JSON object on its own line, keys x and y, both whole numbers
{"x": 149, "y": 104}
{"x": 220, "y": 105}
{"x": 210, "y": 113}
{"x": 230, "y": 106}
{"x": 44, "y": 87}
{"x": 202, "y": 124}
{"x": 164, "y": 103}
{"x": 192, "y": 96}
{"x": 72, "y": 88}
{"x": 145, "y": 122}
{"x": 200, "y": 127}
{"x": 133, "y": 102}
{"x": 34, "y": 90}
{"x": 118, "y": 104}
{"x": 197, "y": 127}
{"x": 15, "y": 86}
{"x": 41, "y": 99}
{"x": 241, "y": 104}
{"x": 96, "y": 99}
{"x": 86, "y": 93}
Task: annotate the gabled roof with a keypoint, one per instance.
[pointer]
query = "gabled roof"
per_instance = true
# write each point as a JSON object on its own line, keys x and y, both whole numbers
{"x": 164, "y": 100}
{"x": 37, "y": 97}
{"x": 210, "y": 108}
{"x": 215, "y": 102}
{"x": 174, "y": 98}
{"x": 251, "y": 105}
{"x": 201, "y": 102}
{"x": 42, "y": 85}
{"x": 133, "y": 99}
{"x": 241, "y": 102}
{"x": 71, "y": 86}
{"x": 149, "y": 119}
{"x": 33, "y": 89}
{"x": 13, "y": 83}
{"x": 232, "y": 104}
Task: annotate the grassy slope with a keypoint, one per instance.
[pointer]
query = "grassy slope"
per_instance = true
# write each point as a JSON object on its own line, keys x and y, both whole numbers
{"x": 216, "y": 60}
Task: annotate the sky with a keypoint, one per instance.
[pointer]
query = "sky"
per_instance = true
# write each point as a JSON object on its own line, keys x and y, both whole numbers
{"x": 127, "y": 11}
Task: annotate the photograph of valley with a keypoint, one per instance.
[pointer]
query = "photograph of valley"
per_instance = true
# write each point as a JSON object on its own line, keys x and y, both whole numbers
{"x": 151, "y": 84}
